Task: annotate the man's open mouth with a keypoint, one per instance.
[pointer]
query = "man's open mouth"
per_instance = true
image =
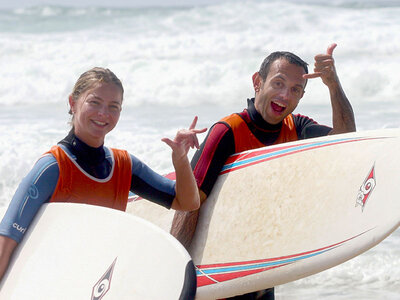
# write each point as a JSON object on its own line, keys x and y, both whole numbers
{"x": 278, "y": 107}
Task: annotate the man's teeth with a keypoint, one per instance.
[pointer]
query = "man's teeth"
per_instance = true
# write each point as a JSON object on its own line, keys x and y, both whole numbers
{"x": 280, "y": 105}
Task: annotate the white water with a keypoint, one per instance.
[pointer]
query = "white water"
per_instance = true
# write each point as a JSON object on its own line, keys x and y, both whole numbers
{"x": 179, "y": 61}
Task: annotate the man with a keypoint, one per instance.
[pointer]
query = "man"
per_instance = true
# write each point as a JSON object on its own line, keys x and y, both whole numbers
{"x": 279, "y": 85}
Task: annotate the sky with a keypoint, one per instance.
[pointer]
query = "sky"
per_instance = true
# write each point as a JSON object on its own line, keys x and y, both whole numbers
{"x": 10, "y": 4}
{"x": 107, "y": 3}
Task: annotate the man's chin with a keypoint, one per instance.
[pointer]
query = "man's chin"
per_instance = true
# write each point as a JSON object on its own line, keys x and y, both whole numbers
{"x": 275, "y": 119}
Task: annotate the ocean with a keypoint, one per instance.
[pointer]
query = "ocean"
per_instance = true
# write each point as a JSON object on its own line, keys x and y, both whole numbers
{"x": 180, "y": 59}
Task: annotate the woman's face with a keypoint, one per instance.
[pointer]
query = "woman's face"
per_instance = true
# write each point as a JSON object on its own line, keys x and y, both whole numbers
{"x": 96, "y": 112}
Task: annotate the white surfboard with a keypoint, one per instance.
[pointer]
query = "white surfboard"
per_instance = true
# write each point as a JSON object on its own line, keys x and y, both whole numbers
{"x": 281, "y": 213}
{"x": 76, "y": 251}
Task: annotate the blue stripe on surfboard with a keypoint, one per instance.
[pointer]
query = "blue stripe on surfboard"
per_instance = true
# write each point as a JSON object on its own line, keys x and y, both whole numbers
{"x": 283, "y": 151}
{"x": 220, "y": 270}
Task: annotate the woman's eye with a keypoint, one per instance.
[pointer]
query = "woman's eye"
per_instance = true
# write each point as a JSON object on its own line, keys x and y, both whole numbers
{"x": 94, "y": 102}
{"x": 115, "y": 108}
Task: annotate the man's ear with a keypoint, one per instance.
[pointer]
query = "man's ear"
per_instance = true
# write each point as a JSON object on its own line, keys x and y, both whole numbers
{"x": 257, "y": 82}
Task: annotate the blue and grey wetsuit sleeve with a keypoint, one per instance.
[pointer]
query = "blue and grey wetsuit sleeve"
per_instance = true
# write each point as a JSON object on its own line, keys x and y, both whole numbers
{"x": 34, "y": 190}
{"x": 152, "y": 186}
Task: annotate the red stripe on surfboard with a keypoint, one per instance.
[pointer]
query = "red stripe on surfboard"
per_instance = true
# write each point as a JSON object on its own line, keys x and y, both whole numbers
{"x": 204, "y": 280}
{"x": 230, "y": 264}
{"x": 171, "y": 176}
{"x": 283, "y": 154}
{"x": 251, "y": 262}
{"x": 242, "y": 156}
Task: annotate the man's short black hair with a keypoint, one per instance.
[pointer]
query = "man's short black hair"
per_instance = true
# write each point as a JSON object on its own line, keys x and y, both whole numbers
{"x": 290, "y": 57}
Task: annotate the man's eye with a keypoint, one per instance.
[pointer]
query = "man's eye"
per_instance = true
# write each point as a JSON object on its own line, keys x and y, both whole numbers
{"x": 296, "y": 91}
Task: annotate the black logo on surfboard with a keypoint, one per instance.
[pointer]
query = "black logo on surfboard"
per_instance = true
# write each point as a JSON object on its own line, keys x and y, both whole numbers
{"x": 103, "y": 285}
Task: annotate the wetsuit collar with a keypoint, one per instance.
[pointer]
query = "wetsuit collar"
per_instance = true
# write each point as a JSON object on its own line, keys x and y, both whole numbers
{"x": 81, "y": 150}
{"x": 258, "y": 119}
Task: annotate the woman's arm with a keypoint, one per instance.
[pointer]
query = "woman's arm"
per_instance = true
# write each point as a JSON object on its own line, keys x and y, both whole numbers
{"x": 7, "y": 247}
{"x": 187, "y": 195}
{"x": 35, "y": 189}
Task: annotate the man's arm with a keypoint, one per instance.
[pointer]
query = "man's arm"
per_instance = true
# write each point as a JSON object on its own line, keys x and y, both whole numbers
{"x": 342, "y": 112}
{"x": 206, "y": 164}
{"x": 185, "y": 222}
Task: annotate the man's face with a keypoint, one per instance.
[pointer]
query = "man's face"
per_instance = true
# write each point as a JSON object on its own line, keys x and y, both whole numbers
{"x": 279, "y": 94}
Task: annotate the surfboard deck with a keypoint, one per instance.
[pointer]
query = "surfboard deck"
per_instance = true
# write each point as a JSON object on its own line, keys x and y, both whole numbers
{"x": 76, "y": 251}
{"x": 281, "y": 213}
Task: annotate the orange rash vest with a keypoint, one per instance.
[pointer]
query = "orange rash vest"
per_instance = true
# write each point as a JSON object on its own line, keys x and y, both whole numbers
{"x": 246, "y": 140}
{"x": 75, "y": 185}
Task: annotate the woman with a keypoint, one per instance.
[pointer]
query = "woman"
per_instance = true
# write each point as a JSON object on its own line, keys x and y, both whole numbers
{"x": 80, "y": 169}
